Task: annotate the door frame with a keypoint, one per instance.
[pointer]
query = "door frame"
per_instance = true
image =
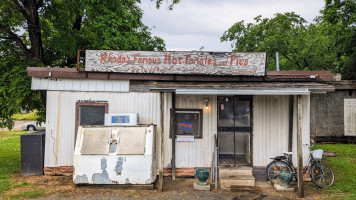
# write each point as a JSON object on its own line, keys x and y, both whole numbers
{"x": 249, "y": 129}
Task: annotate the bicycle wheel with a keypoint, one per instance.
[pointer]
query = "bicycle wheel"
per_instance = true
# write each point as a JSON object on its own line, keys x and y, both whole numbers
{"x": 274, "y": 168}
{"x": 322, "y": 175}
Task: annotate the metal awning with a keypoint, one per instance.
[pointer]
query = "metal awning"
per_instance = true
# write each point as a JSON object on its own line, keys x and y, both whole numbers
{"x": 281, "y": 91}
{"x": 242, "y": 88}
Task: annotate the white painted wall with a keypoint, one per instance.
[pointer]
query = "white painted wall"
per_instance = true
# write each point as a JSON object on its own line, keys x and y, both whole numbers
{"x": 271, "y": 128}
{"x": 350, "y": 117}
{"x": 61, "y": 84}
{"x": 270, "y": 125}
{"x": 60, "y": 118}
{"x": 197, "y": 153}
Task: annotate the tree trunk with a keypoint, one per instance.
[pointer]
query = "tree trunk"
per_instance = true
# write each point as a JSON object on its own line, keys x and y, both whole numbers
{"x": 34, "y": 29}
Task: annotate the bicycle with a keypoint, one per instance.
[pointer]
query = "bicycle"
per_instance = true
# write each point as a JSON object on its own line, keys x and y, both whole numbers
{"x": 320, "y": 173}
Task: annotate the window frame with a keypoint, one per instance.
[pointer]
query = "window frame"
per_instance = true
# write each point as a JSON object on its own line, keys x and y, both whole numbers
{"x": 77, "y": 107}
{"x": 188, "y": 110}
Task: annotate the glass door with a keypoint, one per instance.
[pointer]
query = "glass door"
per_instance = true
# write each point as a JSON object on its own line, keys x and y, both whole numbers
{"x": 234, "y": 130}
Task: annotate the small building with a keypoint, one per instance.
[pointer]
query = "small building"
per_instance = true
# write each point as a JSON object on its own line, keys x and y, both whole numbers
{"x": 208, "y": 100}
{"x": 333, "y": 115}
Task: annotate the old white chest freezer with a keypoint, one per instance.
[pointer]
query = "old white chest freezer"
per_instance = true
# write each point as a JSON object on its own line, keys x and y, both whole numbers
{"x": 115, "y": 155}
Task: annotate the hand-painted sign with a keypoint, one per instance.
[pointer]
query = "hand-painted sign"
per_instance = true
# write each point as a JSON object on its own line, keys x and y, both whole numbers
{"x": 175, "y": 62}
{"x": 185, "y": 138}
{"x": 185, "y": 125}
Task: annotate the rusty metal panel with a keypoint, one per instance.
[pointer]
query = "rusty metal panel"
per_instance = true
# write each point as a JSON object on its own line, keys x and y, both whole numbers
{"x": 59, "y": 151}
{"x": 175, "y": 62}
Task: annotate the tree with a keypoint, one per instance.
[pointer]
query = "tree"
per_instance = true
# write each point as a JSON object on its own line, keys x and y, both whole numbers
{"x": 284, "y": 34}
{"x": 329, "y": 43}
{"x": 49, "y": 32}
{"x": 339, "y": 16}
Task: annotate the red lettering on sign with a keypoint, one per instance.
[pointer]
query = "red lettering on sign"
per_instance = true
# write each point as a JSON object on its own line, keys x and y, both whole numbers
{"x": 103, "y": 58}
{"x": 167, "y": 59}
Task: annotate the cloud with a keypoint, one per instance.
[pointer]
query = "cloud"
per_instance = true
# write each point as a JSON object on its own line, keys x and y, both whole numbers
{"x": 193, "y": 23}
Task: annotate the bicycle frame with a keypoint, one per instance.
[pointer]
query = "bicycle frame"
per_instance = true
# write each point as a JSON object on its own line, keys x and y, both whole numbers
{"x": 310, "y": 162}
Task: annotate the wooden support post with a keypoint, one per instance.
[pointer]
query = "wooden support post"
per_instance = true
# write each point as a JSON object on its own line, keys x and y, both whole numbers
{"x": 160, "y": 180}
{"x": 173, "y": 124}
{"x": 300, "y": 148}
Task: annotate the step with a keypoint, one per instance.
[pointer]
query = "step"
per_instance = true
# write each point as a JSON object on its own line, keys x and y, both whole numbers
{"x": 227, "y": 172}
{"x": 241, "y": 180}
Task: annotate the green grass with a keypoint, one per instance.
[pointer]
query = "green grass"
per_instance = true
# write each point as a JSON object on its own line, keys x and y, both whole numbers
{"x": 28, "y": 194}
{"x": 12, "y": 133}
{"x": 10, "y": 157}
{"x": 344, "y": 168}
{"x": 28, "y": 116}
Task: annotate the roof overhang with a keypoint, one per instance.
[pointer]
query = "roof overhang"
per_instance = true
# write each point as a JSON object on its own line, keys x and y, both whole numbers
{"x": 281, "y": 91}
{"x": 242, "y": 88}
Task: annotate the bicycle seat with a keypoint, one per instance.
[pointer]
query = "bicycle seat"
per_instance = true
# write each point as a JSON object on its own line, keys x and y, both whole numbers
{"x": 279, "y": 158}
{"x": 288, "y": 153}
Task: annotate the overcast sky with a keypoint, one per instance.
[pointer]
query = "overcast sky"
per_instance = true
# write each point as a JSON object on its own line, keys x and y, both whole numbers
{"x": 195, "y": 23}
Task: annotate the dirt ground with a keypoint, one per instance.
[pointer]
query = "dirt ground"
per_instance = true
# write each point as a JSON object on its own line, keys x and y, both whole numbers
{"x": 62, "y": 187}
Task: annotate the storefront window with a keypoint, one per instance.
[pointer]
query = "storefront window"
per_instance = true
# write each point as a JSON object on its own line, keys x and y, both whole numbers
{"x": 189, "y": 122}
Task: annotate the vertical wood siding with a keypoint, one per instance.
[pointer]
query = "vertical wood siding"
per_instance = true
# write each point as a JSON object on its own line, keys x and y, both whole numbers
{"x": 350, "y": 117}
{"x": 146, "y": 104}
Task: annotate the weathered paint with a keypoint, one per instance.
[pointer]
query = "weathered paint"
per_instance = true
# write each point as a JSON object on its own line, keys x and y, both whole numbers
{"x": 146, "y": 104}
{"x": 112, "y": 147}
{"x": 350, "y": 117}
{"x": 112, "y": 168}
{"x": 119, "y": 164}
{"x": 271, "y": 128}
{"x": 195, "y": 154}
{"x": 103, "y": 177}
{"x": 90, "y": 85}
{"x": 176, "y": 62}
{"x": 328, "y": 113}
{"x": 58, "y": 128}
{"x": 81, "y": 179}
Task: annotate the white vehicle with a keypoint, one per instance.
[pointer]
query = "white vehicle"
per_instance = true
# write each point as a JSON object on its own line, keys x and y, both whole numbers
{"x": 33, "y": 126}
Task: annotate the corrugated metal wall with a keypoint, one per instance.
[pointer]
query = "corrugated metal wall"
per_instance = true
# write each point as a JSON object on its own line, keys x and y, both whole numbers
{"x": 305, "y": 128}
{"x": 60, "y": 118}
{"x": 270, "y": 125}
{"x": 79, "y": 84}
{"x": 271, "y": 128}
{"x": 199, "y": 152}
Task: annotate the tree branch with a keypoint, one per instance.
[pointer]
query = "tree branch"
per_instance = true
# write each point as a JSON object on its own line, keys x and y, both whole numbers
{"x": 21, "y": 10}
{"x": 7, "y": 38}
{"x": 17, "y": 39}
{"x": 39, "y": 3}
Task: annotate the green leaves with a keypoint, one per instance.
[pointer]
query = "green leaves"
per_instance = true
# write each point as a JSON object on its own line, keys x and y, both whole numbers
{"x": 279, "y": 34}
{"x": 329, "y": 44}
{"x": 64, "y": 26}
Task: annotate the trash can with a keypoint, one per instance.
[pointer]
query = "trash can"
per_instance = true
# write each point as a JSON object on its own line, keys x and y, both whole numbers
{"x": 32, "y": 153}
